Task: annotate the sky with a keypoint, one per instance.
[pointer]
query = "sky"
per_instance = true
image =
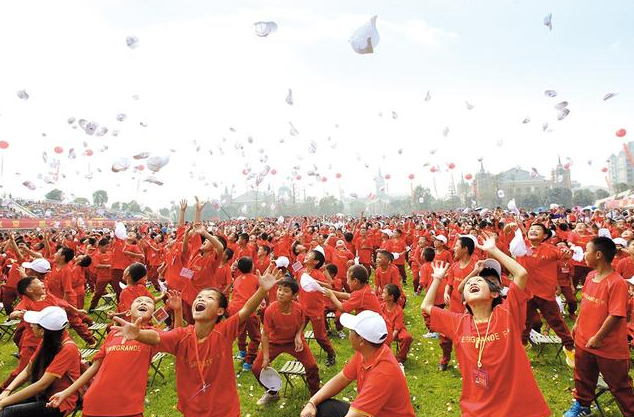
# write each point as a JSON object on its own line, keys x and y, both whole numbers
{"x": 205, "y": 83}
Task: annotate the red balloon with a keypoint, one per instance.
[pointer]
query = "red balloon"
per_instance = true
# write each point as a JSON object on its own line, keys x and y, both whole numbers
{"x": 388, "y": 176}
{"x": 604, "y": 169}
{"x": 4, "y": 144}
{"x": 451, "y": 165}
{"x": 58, "y": 149}
{"x": 338, "y": 175}
{"x": 324, "y": 179}
{"x": 567, "y": 166}
{"x": 299, "y": 177}
{"x": 273, "y": 171}
{"x": 432, "y": 169}
{"x": 411, "y": 176}
{"x": 468, "y": 177}
{"x": 621, "y": 132}
{"x": 140, "y": 167}
{"x": 245, "y": 172}
{"x": 88, "y": 152}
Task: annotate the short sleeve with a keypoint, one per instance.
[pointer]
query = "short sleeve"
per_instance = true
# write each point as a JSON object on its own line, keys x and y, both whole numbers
{"x": 444, "y": 321}
{"x": 350, "y": 370}
{"x": 515, "y": 302}
{"x": 99, "y": 356}
{"x": 618, "y": 298}
{"x": 375, "y": 393}
{"x": 268, "y": 320}
{"x": 352, "y": 303}
{"x": 67, "y": 358}
{"x": 170, "y": 340}
{"x": 230, "y": 327}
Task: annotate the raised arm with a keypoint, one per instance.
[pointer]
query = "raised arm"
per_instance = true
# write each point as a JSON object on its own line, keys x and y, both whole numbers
{"x": 181, "y": 215}
{"x": 199, "y": 209}
{"x": 520, "y": 276}
{"x": 133, "y": 331}
{"x": 56, "y": 399}
{"x": 439, "y": 271}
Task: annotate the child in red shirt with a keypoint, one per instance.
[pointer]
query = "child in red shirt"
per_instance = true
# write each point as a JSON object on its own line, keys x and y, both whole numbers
{"x": 102, "y": 260}
{"x": 244, "y": 287}
{"x": 386, "y": 273}
{"x": 80, "y": 271}
{"x": 283, "y": 333}
{"x": 564, "y": 282}
{"x": 135, "y": 287}
{"x": 497, "y": 378}
{"x": 600, "y": 333}
{"x": 630, "y": 312}
{"x": 394, "y": 314}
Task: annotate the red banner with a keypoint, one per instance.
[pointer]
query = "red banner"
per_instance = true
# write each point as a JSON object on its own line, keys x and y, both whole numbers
{"x": 52, "y": 223}
{"x": 625, "y": 203}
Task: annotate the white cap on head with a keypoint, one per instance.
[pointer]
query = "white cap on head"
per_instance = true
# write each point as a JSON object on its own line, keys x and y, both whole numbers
{"x": 282, "y": 262}
{"x": 620, "y": 241}
{"x": 388, "y": 232}
{"x": 39, "y": 265}
{"x": 51, "y": 318}
{"x": 367, "y": 324}
{"x": 475, "y": 239}
{"x": 442, "y": 238}
{"x": 495, "y": 265}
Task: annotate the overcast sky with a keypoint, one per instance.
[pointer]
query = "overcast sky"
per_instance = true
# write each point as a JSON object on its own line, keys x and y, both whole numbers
{"x": 199, "y": 70}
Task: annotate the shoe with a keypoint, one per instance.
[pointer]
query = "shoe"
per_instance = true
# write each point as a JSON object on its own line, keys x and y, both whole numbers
{"x": 577, "y": 410}
{"x": 341, "y": 335}
{"x": 570, "y": 358}
{"x": 16, "y": 355}
{"x": 400, "y": 365}
{"x": 268, "y": 398}
{"x": 431, "y": 335}
{"x": 442, "y": 366}
{"x": 331, "y": 360}
{"x": 247, "y": 366}
{"x": 242, "y": 354}
{"x": 92, "y": 344}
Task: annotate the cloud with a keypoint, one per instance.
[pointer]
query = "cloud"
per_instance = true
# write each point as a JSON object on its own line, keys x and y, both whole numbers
{"x": 419, "y": 32}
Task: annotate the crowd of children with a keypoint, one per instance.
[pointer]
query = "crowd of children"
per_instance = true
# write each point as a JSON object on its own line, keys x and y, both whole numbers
{"x": 489, "y": 279}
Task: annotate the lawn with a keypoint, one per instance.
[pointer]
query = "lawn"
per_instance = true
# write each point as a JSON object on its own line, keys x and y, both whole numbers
{"x": 433, "y": 393}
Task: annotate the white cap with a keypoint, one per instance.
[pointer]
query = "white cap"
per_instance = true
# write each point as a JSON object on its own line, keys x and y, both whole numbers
{"x": 620, "y": 241}
{"x": 442, "y": 238}
{"x": 39, "y": 265}
{"x": 630, "y": 281}
{"x": 282, "y": 262}
{"x": 320, "y": 249}
{"x": 493, "y": 264}
{"x": 388, "y": 232}
{"x": 51, "y": 318}
{"x": 475, "y": 240}
{"x": 395, "y": 255}
{"x": 367, "y": 324}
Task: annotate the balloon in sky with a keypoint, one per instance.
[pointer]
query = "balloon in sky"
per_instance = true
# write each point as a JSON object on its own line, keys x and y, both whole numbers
{"x": 273, "y": 171}
{"x": 298, "y": 177}
{"x": 324, "y": 179}
{"x": 23, "y": 95}
{"x": 433, "y": 169}
{"x": 58, "y": 149}
{"x": 621, "y": 133}
{"x": 451, "y": 165}
{"x": 365, "y": 39}
{"x": 4, "y": 144}
{"x": 263, "y": 29}
{"x": 410, "y": 176}
{"x": 468, "y": 177}
{"x": 501, "y": 193}
{"x": 88, "y": 152}
{"x": 388, "y": 176}
{"x": 338, "y": 175}
{"x": 604, "y": 169}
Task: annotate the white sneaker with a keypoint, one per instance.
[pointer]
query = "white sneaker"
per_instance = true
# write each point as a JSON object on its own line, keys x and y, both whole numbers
{"x": 431, "y": 335}
{"x": 400, "y": 365}
{"x": 268, "y": 398}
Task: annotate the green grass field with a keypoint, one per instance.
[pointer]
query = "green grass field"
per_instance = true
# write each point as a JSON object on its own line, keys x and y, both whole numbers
{"x": 433, "y": 393}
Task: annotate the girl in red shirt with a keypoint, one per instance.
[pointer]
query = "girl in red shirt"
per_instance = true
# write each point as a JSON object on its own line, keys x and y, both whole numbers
{"x": 497, "y": 376}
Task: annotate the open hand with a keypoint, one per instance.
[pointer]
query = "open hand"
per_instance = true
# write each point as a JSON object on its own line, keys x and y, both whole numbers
{"x": 270, "y": 278}
{"x": 174, "y": 300}
{"x": 129, "y": 331}
{"x": 439, "y": 269}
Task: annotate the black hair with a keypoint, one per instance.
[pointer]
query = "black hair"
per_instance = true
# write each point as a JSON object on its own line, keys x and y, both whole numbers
{"x": 394, "y": 291}
{"x": 606, "y": 246}
{"x": 229, "y": 253}
{"x": 137, "y": 271}
{"x": 51, "y": 345}
{"x": 319, "y": 257}
{"x": 348, "y": 236}
{"x": 359, "y": 273}
{"x": 294, "y": 248}
{"x": 289, "y": 282}
{"x": 546, "y": 230}
{"x": 563, "y": 227}
{"x": 266, "y": 248}
{"x": 387, "y": 254}
{"x": 86, "y": 261}
{"x": 245, "y": 264}
{"x": 244, "y": 236}
{"x": 429, "y": 254}
{"x": 490, "y": 272}
{"x": 23, "y": 284}
{"x": 332, "y": 270}
{"x": 103, "y": 242}
{"x": 67, "y": 253}
{"x": 467, "y": 242}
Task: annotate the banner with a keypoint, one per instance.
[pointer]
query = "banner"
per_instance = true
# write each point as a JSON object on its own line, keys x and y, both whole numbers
{"x": 53, "y": 223}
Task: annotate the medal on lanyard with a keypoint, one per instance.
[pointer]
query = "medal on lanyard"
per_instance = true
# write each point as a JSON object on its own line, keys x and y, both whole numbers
{"x": 481, "y": 376}
{"x": 199, "y": 366}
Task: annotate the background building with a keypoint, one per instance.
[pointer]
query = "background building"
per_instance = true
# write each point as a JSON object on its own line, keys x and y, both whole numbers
{"x": 620, "y": 170}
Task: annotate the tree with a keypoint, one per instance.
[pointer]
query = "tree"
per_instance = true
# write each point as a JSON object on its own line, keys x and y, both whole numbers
{"x": 99, "y": 197}
{"x": 55, "y": 195}
{"x": 81, "y": 201}
{"x": 620, "y": 187}
{"x": 561, "y": 196}
{"x": 116, "y": 206}
{"x": 330, "y": 205}
{"x": 165, "y": 212}
{"x": 583, "y": 197}
{"x": 599, "y": 194}
{"x": 134, "y": 207}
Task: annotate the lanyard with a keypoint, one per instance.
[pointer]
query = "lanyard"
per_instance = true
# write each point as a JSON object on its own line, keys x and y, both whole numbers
{"x": 480, "y": 343}
{"x": 199, "y": 366}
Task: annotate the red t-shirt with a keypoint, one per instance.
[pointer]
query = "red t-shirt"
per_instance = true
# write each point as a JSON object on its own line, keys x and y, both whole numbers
{"x": 118, "y": 258}
{"x": 131, "y": 293}
{"x": 598, "y": 301}
{"x": 244, "y": 286}
{"x": 203, "y": 268}
{"x": 395, "y": 317}
{"x": 375, "y": 396}
{"x": 60, "y": 281}
{"x": 174, "y": 266}
{"x": 579, "y": 240}
{"x": 389, "y": 276}
{"x": 312, "y": 302}
{"x": 103, "y": 274}
{"x": 505, "y": 385}
{"x": 541, "y": 264}
{"x": 625, "y": 267}
{"x": 79, "y": 280}
{"x": 364, "y": 249}
{"x": 261, "y": 265}
{"x": 360, "y": 300}
{"x": 282, "y": 327}
{"x": 13, "y": 277}
{"x": 28, "y": 338}
{"x": 220, "y": 398}
{"x": 444, "y": 256}
{"x": 65, "y": 365}
{"x": 116, "y": 356}
{"x": 454, "y": 277}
